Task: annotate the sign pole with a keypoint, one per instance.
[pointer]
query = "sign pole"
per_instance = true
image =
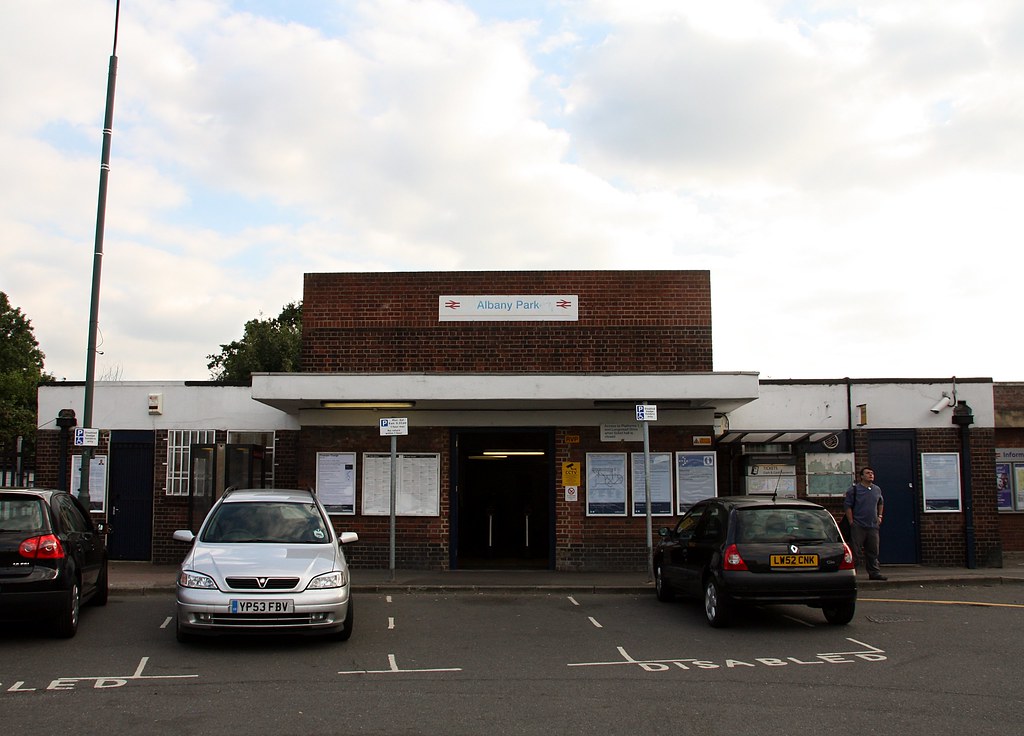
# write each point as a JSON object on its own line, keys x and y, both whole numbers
{"x": 394, "y": 495}
{"x": 646, "y": 413}
{"x": 392, "y": 427}
{"x": 647, "y": 497}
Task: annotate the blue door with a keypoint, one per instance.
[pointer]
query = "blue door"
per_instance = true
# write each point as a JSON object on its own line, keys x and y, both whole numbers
{"x": 130, "y": 495}
{"x": 891, "y": 455}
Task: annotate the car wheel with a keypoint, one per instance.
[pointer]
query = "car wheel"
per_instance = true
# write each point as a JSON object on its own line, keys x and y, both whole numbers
{"x": 99, "y": 598}
{"x": 661, "y": 588}
{"x": 839, "y": 614}
{"x": 346, "y": 633}
{"x": 716, "y": 604}
{"x": 67, "y": 619}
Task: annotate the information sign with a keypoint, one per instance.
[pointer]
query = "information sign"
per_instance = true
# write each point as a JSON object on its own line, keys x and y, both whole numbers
{"x": 394, "y": 426}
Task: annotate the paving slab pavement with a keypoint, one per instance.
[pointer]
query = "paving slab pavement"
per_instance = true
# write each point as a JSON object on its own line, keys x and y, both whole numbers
{"x": 128, "y": 578}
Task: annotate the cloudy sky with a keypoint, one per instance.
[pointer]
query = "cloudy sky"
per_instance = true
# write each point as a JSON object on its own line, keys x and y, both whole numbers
{"x": 851, "y": 173}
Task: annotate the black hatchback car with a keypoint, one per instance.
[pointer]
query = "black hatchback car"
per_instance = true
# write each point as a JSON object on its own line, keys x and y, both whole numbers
{"x": 53, "y": 558}
{"x": 757, "y": 550}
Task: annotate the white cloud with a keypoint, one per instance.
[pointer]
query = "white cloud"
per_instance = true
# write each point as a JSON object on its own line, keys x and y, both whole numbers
{"x": 849, "y": 175}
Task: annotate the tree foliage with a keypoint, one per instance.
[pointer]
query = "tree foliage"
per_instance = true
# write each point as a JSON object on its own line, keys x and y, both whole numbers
{"x": 270, "y": 345}
{"x": 21, "y": 372}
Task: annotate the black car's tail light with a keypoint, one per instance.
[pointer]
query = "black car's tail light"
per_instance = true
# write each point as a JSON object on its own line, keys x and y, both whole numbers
{"x": 847, "y": 562}
{"x": 732, "y": 560}
{"x": 45, "y": 547}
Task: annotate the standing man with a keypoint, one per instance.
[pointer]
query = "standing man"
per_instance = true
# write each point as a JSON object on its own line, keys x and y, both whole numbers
{"x": 864, "y": 505}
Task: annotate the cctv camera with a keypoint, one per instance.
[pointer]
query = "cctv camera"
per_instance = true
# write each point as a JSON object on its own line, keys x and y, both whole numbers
{"x": 944, "y": 402}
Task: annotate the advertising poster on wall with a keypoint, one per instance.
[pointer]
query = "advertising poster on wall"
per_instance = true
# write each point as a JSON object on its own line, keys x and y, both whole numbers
{"x": 97, "y": 481}
{"x": 661, "y": 484}
{"x": 696, "y": 478}
{"x": 941, "y": 471}
{"x": 606, "y": 484}
{"x": 1004, "y": 486}
{"x": 336, "y": 481}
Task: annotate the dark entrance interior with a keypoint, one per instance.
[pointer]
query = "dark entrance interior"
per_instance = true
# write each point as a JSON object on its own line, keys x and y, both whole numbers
{"x": 504, "y": 498}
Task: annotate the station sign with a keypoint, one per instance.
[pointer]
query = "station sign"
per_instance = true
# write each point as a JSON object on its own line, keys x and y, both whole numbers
{"x": 508, "y": 308}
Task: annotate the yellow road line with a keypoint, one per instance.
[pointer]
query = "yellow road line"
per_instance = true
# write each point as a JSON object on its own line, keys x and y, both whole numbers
{"x": 942, "y": 603}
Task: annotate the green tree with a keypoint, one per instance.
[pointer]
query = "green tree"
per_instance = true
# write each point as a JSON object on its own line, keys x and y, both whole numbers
{"x": 272, "y": 345}
{"x": 21, "y": 372}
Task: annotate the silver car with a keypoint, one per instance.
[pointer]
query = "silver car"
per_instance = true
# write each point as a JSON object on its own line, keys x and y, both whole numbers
{"x": 265, "y": 561}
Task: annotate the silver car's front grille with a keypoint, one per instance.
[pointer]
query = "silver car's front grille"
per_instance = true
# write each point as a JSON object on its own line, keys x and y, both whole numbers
{"x": 269, "y": 621}
{"x": 262, "y": 583}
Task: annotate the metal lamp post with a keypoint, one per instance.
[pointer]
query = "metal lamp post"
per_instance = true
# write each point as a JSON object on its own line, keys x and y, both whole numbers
{"x": 97, "y": 263}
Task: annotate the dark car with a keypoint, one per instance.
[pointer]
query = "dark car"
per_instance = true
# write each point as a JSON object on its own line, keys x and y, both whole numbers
{"x": 53, "y": 559}
{"x": 757, "y": 550}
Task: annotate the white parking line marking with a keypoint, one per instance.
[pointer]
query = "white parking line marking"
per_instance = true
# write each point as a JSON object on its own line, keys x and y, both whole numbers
{"x": 594, "y": 621}
{"x": 166, "y": 622}
{"x": 573, "y": 601}
{"x": 867, "y": 654}
{"x": 393, "y": 668}
{"x": 387, "y": 599}
{"x": 391, "y": 623}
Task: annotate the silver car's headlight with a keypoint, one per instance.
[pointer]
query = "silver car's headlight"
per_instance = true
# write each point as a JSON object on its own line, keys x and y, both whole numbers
{"x": 196, "y": 580}
{"x": 334, "y": 579}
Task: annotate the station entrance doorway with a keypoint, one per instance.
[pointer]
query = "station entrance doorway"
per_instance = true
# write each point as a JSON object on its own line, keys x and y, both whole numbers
{"x": 503, "y": 499}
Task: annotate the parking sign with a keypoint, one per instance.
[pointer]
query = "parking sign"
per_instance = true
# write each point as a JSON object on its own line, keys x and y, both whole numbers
{"x": 394, "y": 426}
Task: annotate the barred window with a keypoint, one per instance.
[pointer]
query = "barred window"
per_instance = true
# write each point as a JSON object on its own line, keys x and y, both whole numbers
{"x": 179, "y": 456}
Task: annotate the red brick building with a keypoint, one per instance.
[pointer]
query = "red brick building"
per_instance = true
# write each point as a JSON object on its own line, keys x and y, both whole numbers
{"x": 518, "y": 393}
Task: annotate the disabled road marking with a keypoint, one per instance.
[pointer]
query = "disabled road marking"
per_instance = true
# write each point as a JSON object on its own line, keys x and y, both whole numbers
{"x": 98, "y": 682}
{"x": 867, "y": 654}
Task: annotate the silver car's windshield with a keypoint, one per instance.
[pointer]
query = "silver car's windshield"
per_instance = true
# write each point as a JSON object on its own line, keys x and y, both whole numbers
{"x": 251, "y": 522}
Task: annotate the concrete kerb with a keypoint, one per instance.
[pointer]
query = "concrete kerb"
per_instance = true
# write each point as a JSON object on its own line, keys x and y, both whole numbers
{"x": 144, "y": 578}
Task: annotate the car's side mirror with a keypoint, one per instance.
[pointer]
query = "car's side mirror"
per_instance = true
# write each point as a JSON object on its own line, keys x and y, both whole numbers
{"x": 348, "y": 538}
{"x": 184, "y": 535}
{"x": 664, "y": 532}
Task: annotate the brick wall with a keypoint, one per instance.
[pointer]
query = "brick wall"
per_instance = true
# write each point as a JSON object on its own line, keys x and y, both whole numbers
{"x": 1009, "y": 401}
{"x": 629, "y": 321}
{"x": 421, "y": 542}
{"x": 582, "y": 543}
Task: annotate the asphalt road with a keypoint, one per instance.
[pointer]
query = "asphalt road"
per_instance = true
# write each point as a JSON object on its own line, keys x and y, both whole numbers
{"x": 933, "y": 660}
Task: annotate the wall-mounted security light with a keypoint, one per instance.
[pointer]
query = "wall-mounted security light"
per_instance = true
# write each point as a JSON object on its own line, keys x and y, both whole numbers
{"x": 943, "y": 403}
{"x": 367, "y": 404}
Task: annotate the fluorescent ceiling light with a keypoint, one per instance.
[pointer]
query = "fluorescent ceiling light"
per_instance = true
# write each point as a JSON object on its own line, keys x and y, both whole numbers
{"x": 367, "y": 404}
{"x": 509, "y": 453}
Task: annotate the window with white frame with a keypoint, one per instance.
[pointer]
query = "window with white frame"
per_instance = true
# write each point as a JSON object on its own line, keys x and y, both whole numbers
{"x": 262, "y": 439}
{"x": 179, "y": 456}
